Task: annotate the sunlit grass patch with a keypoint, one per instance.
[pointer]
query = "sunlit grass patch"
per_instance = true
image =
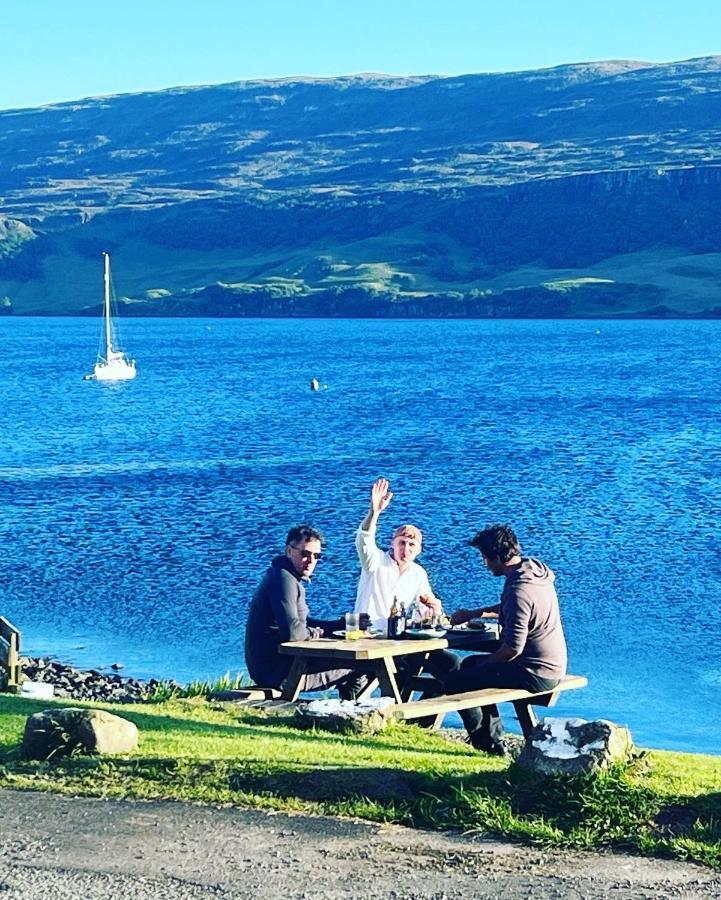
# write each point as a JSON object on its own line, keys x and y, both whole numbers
{"x": 666, "y": 804}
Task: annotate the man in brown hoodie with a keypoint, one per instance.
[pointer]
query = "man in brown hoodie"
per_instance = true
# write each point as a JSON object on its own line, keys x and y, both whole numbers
{"x": 532, "y": 650}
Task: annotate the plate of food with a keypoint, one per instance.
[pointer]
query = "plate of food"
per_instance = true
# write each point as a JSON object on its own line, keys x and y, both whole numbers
{"x": 482, "y": 624}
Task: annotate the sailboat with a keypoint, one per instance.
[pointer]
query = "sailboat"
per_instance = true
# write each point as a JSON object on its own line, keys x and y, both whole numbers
{"x": 115, "y": 365}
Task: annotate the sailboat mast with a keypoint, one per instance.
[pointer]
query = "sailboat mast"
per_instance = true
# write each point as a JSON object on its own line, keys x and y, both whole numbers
{"x": 106, "y": 280}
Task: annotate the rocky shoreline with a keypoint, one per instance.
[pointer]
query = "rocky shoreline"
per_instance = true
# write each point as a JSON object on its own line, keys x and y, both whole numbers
{"x": 92, "y": 684}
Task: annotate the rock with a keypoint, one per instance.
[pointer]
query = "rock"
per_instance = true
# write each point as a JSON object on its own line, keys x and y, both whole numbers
{"x": 90, "y": 685}
{"x": 574, "y": 746}
{"x": 365, "y": 716}
{"x": 61, "y": 732}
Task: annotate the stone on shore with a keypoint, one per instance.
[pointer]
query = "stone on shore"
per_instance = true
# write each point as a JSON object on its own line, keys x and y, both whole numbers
{"x": 575, "y": 747}
{"x": 361, "y": 717}
{"x": 73, "y": 684}
{"x": 63, "y": 732}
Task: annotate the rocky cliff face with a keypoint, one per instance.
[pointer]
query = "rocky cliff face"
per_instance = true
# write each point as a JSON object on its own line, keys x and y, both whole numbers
{"x": 581, "y": 190}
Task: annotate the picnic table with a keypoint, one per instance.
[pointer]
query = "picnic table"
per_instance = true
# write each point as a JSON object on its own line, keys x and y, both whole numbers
{"x": 376, "y": 656}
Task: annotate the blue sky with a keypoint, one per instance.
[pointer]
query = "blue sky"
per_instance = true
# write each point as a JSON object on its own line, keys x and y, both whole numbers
{"x": 68, "y": 50}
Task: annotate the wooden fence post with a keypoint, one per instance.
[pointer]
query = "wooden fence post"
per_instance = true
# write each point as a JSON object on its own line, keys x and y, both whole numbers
{"x": 9, "y": 654}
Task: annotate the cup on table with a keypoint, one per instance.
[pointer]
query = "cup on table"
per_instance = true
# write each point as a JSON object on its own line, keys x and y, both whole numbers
{"x": 352, "y": 621}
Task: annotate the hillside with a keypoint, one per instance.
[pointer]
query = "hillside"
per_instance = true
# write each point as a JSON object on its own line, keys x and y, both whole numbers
{"x": 587, "y": 189}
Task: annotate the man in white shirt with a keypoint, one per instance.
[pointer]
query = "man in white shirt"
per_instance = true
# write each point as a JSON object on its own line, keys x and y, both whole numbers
{"x": 394, "y": 573}
{"x": 389, "y": 574}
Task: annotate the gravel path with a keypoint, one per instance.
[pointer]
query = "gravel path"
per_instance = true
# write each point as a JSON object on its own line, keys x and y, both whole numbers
{"x": 83, "y": 849}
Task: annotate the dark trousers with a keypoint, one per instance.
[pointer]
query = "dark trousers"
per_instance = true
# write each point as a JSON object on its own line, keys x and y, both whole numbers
{"x": 483, "y": 724}
{"x": 348, "y": 682}
{"x": 440, "y": 664}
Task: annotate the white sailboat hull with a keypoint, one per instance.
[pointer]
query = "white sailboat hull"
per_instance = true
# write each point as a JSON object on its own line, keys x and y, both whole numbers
{"x": 115, "y": 370}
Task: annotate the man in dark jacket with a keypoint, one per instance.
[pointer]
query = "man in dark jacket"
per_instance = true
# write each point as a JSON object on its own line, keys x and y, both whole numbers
{"x": 532, "y": 650}
{"x": 279, "y": 613}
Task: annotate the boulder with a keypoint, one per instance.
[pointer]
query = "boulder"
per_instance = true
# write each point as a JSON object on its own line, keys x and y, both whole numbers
{"x": 63, "y": 732}
{"x": 574, "y": 746}
{"x": 359, "y": 716}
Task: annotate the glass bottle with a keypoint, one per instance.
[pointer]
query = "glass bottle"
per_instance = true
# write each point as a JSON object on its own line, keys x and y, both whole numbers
{"x": 393, "y": 620}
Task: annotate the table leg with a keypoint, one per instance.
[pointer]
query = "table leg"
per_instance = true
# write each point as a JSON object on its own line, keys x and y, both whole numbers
{"x": 368, "y": 689}
{"x": 527, "y": 718}
{"x": 386, "y": 674}
{"x": 413, "y": 667}
{"x": 292, "y": 684}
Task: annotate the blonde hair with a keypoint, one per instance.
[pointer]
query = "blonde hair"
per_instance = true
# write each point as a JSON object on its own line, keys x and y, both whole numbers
{"x": 410, "y": 531}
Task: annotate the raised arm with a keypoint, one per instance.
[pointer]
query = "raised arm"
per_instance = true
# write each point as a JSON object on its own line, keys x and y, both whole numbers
{"x": 380, "y": 498}
{"x": 368, "y": 551}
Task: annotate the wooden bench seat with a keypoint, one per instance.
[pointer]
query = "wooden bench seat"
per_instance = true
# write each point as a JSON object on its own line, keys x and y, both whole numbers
{"x": 521, "y": 700}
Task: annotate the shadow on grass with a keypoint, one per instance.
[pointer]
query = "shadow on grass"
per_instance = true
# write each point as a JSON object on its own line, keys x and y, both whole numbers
{"x": 309, "y": 782}
{"x": 682, "y": 816}
{"x": 396, "y": 738}
{"x": 375, "y": 783}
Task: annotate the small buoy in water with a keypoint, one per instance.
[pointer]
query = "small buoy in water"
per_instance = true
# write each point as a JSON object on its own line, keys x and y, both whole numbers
{"x": 598, "y": 331}
{"x": 314, "y": 384}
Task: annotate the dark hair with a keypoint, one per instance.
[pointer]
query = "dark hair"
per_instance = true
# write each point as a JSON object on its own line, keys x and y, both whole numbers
{"x": 303, "y": 533}
{"x": 497, "y": 542}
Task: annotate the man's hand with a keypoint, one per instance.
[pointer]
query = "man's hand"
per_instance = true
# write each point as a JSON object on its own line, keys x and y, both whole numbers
{"x": 433, "y": 603}
{"x": 463, "y": 615}
{"x": 315, "y": 632}
{"x": 380, "y": 496}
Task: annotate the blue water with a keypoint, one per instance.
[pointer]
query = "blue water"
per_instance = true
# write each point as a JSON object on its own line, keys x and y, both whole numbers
{"x": 136, "y": 519}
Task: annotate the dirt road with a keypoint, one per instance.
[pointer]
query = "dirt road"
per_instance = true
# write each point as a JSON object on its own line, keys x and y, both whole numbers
{"x": 70, "y": 848}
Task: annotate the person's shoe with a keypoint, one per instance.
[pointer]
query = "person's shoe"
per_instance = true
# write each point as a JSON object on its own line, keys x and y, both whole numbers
{"x": 510, "y": 745}
{"x": 497, "y": 748}
{"x": 485, "y": 745}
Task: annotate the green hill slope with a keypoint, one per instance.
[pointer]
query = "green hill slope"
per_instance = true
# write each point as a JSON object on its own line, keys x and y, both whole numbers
{"x": 584, "y": 190}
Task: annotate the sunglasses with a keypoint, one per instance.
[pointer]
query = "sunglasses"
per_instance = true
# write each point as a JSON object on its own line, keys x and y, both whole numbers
{"x": 307, "y": 555}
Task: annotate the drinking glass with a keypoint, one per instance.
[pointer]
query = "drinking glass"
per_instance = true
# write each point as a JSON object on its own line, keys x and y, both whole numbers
{"x": 352, "y": 621}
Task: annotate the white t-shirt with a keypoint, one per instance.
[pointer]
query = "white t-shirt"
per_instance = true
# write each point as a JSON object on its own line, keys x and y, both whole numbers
{"x": 380, "y": 581}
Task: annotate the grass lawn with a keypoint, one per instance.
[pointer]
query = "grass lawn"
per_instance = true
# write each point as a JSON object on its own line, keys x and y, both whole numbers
{"x": 664, "y": 804}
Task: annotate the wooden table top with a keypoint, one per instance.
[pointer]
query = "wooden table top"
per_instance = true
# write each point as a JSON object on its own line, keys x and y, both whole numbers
{"x": 363, "y": 648}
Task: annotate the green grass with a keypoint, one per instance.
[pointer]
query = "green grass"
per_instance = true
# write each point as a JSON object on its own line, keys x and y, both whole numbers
{"x": 171, "y": 690}
{"x": 664, "y": 804}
